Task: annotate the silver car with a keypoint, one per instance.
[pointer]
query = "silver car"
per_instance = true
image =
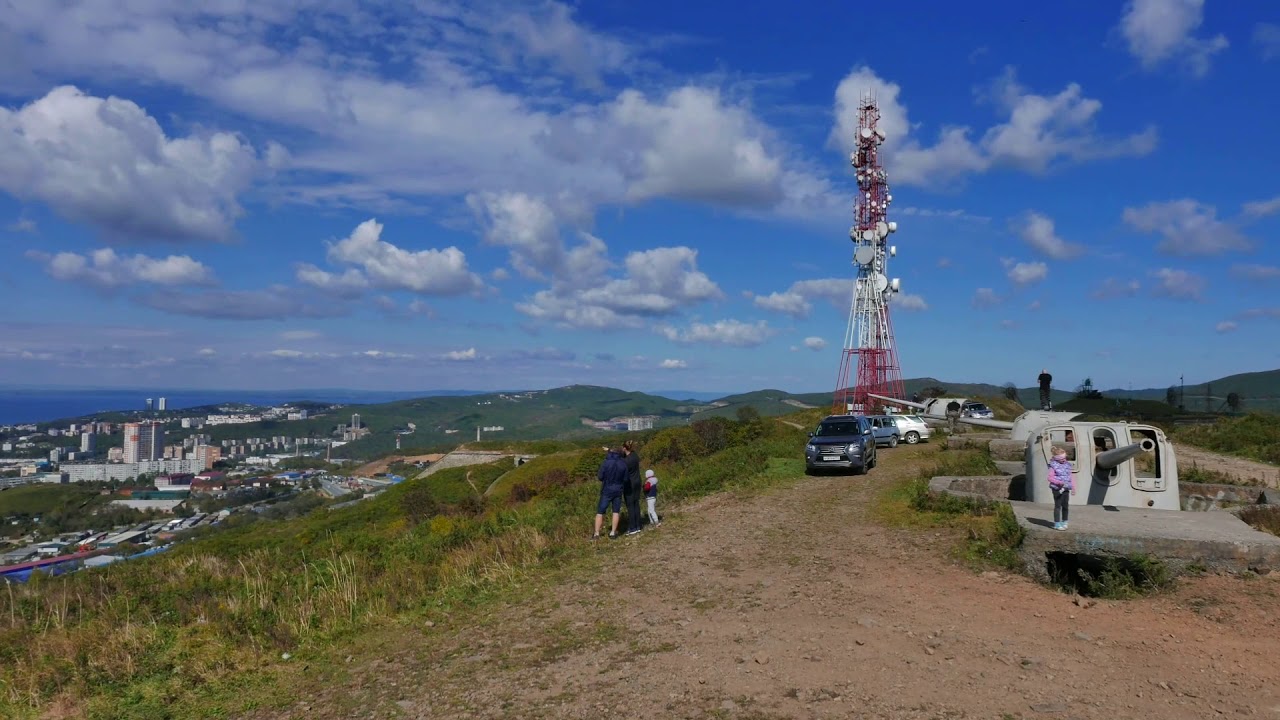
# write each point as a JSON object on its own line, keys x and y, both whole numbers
{"x": 911, "y": 428}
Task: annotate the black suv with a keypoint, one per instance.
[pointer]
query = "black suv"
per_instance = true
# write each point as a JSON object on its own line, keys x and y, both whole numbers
{"x": 841, "y": 442}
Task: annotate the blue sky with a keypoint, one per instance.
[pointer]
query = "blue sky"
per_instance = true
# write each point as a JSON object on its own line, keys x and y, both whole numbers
{"x": 439, "y": 194}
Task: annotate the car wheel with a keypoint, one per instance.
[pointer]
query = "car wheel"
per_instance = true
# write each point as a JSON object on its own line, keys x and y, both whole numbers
{"x": 872, "y": 462}
{"x": 893, "y": 441}
{"x": 912, "y": 437}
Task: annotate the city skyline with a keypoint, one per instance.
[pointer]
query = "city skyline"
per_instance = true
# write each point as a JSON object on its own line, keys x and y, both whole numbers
{"x": 491, "y": 196}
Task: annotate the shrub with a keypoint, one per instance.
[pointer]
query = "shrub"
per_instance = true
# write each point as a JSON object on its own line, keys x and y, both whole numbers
{"x": 715, "y": 432}
{"x": 675, "y": 445}
{"x": 418, "y": 504}
{"x": 522, "y": 493}
{"x": 1262, "y": 517}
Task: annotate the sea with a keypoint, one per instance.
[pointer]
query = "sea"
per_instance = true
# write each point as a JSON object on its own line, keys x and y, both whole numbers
{"x": 30, "y": 405}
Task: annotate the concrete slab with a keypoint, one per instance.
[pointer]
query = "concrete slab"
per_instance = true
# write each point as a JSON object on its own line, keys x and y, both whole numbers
{"x": 1215, "y": 540}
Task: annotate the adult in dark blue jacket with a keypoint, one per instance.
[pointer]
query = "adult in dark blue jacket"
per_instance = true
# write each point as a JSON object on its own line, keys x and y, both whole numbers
{"x": 613, "y": 477}
{"x": 631, "y": 491}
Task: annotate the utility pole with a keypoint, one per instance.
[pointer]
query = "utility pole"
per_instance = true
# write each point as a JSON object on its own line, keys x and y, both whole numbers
{"x": 1182, "y": 393}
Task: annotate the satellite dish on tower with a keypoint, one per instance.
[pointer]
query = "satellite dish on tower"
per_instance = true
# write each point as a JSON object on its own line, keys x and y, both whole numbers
{"x": 882, "y": 230}
{"x": 881, "y": 282}
{"x": 864, "y": 254}
{"x": 865, "y": 133}
{"x": 893, "y": 226}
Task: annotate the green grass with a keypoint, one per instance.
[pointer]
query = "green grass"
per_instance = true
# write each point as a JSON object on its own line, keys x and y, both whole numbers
{"x": 1255, "y": 436}
{"x": 987, "y": 531}
{"x": 199, "y": 631}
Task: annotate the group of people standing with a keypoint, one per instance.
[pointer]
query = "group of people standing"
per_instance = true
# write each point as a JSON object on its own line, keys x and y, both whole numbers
{"x": 621, "y": 482}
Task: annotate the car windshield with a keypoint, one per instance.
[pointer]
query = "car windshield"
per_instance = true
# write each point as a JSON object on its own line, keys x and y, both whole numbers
{"x": 837, "y": 428}
{"x": 977, "y": 406}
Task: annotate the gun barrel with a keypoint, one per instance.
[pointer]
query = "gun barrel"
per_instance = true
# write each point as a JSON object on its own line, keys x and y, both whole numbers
{"x": 1111, "y": 458}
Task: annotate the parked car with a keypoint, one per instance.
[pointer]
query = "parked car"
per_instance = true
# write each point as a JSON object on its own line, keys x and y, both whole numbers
{"x": 909, "y": 429}
{"x": 976, "y": 410}
{"x": 841, "y": 442}
{"x": 884, "y": 430}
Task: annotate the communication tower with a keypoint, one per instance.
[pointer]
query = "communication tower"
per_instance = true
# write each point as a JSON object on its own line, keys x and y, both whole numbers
{"x": 868, "y": 341}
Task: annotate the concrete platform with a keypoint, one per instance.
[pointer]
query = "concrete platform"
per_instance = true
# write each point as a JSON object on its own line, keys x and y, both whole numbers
{"x": 1216, "y": 540}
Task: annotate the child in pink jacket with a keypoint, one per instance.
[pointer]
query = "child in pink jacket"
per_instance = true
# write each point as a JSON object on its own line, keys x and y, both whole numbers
{"x": 1062, "y": 486}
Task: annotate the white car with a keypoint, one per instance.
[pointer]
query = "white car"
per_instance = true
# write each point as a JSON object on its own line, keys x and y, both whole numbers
{"x": 911, "y": 429}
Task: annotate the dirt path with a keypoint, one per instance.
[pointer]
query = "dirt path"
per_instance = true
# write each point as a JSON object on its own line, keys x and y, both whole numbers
{"x": 794, "y": 603}
{"x": 1239, "y": 468}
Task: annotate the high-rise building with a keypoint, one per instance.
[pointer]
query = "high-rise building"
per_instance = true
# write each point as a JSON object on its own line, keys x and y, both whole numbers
{"x": 207, "y": 455}
{"x": 88, "y": 443}
{"x": 149, "y": 404}
{"x": 162, "y": 405}
{"x": 355, "y": 421}
{"x": 143, "y": 441}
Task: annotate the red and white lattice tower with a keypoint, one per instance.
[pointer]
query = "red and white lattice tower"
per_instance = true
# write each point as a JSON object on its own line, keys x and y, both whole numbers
{"x": 868, "y": 342}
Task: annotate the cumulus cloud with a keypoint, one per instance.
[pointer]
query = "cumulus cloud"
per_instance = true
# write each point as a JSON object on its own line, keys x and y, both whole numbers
{"x": 657, "y": 283}
{"x": 22, "y": 225}
{"x": 1266, "y": 37}
{"x": 1252, "y": 271}
{"x": 1037, "y": 231}
{"x": 1225, "y": 326}
{"x": 722, "y": 332}
{"x": 985, "y": 298}
{"x": 379, "y": 264}
{"x": 1188, "y": 227}
{"x": 1111, "y": 289}
{"x": 1041, "y": 131}
{"x": 207, "y": 352}
{"x": 106, "y": 270}
{"x": 460, "y": 355}
{"x": 909, "y": 302}
{"x": 106, "y": 162}
{"x": 1026, "y": 273}
{"x": 1159, "y": 31}
{"x": 473, "y": 67}
{"x": 1262, "y": 208}
{"x": 1178, "y": 284}
{"x": 815, "y": 343}
{"x": 672, "y": 364}
{"x": 797, "y": 300}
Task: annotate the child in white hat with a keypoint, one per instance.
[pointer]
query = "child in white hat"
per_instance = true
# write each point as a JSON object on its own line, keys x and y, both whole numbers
{"x": 651, "y": 496}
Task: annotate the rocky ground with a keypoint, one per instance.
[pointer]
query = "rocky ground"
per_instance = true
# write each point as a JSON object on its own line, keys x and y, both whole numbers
{"x": 797, "y": 603}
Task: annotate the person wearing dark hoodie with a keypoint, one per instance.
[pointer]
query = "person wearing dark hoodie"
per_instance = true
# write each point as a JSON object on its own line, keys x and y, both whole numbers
{"x": 631, "y": 491}
{"x": 613, "y": 478}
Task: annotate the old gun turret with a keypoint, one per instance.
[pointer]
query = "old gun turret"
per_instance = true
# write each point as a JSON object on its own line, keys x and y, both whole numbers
{"x": 1111, "y": 458}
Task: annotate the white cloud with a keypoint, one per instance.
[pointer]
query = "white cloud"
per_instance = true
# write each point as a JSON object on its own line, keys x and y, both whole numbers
{"x": 105, "y": 269}
{"x": 460, "y": 355}
{"x": 722, "y": 332}
{"x": 530, "y": 228}
{"x": 796, "y": 300}
{"x": 207, "y": 352}
{"x": 670, "y": 364}
{"x": 1161, "y": 30}
{"x": 22, "y": 225}
{"x": 985, "y": 298}
{"x": 1266, "y": 36}
{"x": 107, "y": 163}
{"x": 299, "y": 335}
{"x": 384, "y": 355}
{"x": 1027, "y": 273}
{"x": 1188, "y": 227}
{"x": 1268, "y": 312}
{"x": 1262, "y": 208}
{"x": 1035, "y": 305}
{"x": 937, "y": 213}
{"x": 787, "y": 303}
{"x": 1040, "y": 131}
{"x": 351, "y": 283}
{"x": 1225, "y": 326}
{"x": 1037, "y": 231}
{"x": 815, "y": 343}
{"x": 1178, "y": 284}
{"x": 909, "y": 302}
{"x": 658, "y": 282}
{"x": 1256, "y": 272}
{"x": 388, "y": 267}
{"x": 418, "y": 117}
{"x": 1111, "y": 288}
